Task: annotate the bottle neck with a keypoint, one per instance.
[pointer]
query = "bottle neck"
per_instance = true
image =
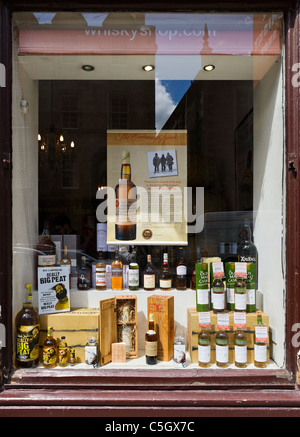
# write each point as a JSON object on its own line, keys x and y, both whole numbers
{"x": 151, "y": 325}
{"x": 28, "y": 296}
{"x": 149, "y": 259}
{"x": 126, "y": 171}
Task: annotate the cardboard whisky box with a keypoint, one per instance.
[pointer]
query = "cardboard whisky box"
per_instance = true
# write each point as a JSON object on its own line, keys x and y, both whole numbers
{"x": 162, "y": 308}
{"x": 193, "y": 330}
{"x": 118, "y": 324}
{"x": 77, "y": 326}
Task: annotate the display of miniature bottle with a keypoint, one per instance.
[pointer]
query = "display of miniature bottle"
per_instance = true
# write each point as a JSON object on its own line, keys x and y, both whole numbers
{"x": 27, "y": 333}
{"x": 100, "y": 273}
{"x": 260, "y": 343}
{"x": 165, "y": 278}
{"x": 83, "y": 275}
{"x": 72, "y": 357}
{"x": 62, "y": 352}
{"x": 247, "y": 251}
{"x": 204, "y": 348}
{"x": 133, "y": 273}
{"x": 240, "y": 348}
{"x": 49, "y": 350}
{"x": 240, "y": 295}
{"x": 218, "y": 295}
{"x": 46, "y": 249}
{"x": 149, "y": 275}
{"x": 151, "y": 342}
{"x": 222, "y": 349}
{"x": 126, "y": 196}
{"x": 117, "y": 272}
{"x": 65, "y": 261}
{"x": 181, "y": 271}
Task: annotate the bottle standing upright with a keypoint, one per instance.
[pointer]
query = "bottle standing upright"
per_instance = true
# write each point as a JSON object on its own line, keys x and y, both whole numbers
{"x": 151, "y": 342}
{"x": 149, "y": 275}
{"x": 246, "y": 250}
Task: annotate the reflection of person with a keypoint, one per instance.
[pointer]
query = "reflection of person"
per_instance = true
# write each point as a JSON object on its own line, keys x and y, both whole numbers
{"x": 170, "y": 161}
{"x": 156, "y": 162}
{"x": 163, "y": 162}
{"x": 61, "y": 294}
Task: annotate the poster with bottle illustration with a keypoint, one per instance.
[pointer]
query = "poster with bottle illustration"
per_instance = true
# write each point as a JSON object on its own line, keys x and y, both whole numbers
{"x": 53, "y": 290}
{"x": 146, "y": 180}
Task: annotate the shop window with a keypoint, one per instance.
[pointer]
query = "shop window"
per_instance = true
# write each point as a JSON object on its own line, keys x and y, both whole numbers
{"x": 193, "y": 102}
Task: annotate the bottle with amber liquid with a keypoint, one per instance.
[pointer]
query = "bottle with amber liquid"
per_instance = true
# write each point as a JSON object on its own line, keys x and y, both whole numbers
{"x": 27, "y": 333}
{"x": 240, "y": 348}
{"x": 149, "y": 275}
{"x": 45, "y": 250}
{"x": 260, "y": 347}
{"x": 66, "y": 262}
{"x": 204, "y": 348}
{"x": 240, "y": 295}
{"x": 50, "y": 350}
{"x": 117, "y": 273}
{"x": 100, "y": 273}
{"x": 222, "y": 349}
{"x": 151, "y": 342}
{"x": 126, "y": 196}
{"x": 181, "y": 279}
{"x": 165, "y": 279}
{"x": 218, "y": 295}
{"x": 62, "y": 352}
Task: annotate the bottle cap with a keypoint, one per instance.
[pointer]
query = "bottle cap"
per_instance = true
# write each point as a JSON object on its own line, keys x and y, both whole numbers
{"x": 126, "y": 157}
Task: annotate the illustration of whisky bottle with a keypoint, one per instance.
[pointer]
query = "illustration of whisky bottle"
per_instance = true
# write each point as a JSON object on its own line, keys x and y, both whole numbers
{"x": 126, "y": 196}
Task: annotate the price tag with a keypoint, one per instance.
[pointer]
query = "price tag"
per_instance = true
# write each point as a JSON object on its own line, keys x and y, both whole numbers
{"x": 223, "y": 321}
{"x": 241, "y": 270}
{"x": 239, "y": 320}
{"x": 204, "y": 320}
{"x": 218, "y": 269}
{"x": 261, "y": 334}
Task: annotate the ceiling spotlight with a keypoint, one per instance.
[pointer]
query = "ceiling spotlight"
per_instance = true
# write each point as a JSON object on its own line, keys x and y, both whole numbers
{"x": 209, "y": 67}
{"x": 148, "y": 67}
{"x": 88, "y": 68}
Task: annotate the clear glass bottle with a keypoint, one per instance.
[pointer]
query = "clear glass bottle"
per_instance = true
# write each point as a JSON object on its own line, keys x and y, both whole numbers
{"x": 62, "y": 352}
{"x": 66, "y": 262}
{"x": 117, "y": 272}
{"x": 240, "y": 295}
{"x": 165, "y": 279}
{"x": 100, "y": 273}
{"x": 218, "y": 295}
{"x": 240, "y": 348}
{"x": 260, "y": 348}
{"x": 49, "y": 350}
{"x": 133, "y": 273}
{"x": 179, "y": 352}
{"x": 151, "y": 342}
{"x": 204, "y": 348}
{"x": 222, "y": 349}
{"x": 27, "y": 333}
{"x": 149, "y": 275}
{"x": 181, "y": 271}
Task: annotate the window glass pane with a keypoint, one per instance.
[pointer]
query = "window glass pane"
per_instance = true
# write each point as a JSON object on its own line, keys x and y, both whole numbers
{"x": 193, "y": 102}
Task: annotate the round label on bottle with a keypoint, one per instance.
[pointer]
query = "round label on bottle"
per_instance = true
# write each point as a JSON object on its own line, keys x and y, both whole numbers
{"x": 27, "y": 342}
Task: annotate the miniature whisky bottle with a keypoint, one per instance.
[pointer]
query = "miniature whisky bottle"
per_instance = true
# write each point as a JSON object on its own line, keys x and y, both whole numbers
{"x": 117, "y": 273}
{"x": 27, "y": 333}
{"x": 240, "y": 348}
{"x": 222, "y": 349}
{"x": 260, "y": 343}
{"x": 149, "y": 275}
{"x": 62, "y": 352}
{"x": 151, "y": 342}
{"x": 65, "y": 261}
{"x": 49, "y": 350}
{"x": 240, "y": 295}
{"x": 126, "y": 196}
{"x": 165, "y": 280}
{"x": 204, "y": 348}
{"x": 218, "y": 295}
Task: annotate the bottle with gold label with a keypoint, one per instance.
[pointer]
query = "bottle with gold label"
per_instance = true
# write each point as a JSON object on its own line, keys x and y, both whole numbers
{"x": 62, "y": 352}
{"x": 151, "y": 342}
{"x": 27, "y": 333}
{"x": 49, "y": 350}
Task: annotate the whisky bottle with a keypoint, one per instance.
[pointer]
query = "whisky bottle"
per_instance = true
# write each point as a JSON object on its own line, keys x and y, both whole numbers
{"x": 46, "y": 249}
{"x": 62, "y": 352}
{"x": 240, "y": 348}
{"x": 230, "y": 281}
{"x": 202, "y": 290}
{"x": 222, "y": 349}
{"x": 240, "y": 295}
{"x": 100, "y": 273}
{"x": 247, "y": 251}
{"x": 165, "y": 279}
{"x": 204, "y": 348}
{"x": 151, "y": 342}
{"x": 181, "y": 279}
{"x": 133, "y": 273}
{"x": 260, "y": 343}
{"x": 49, "y": 350}
{"x": 83, "y": 275}
{"x": 27, "y": 333}
{"x": 117, "y": 272}
{"x": 66, "y": 262}
{"x": 149, "y": 275}
{"x": 251, "y": 287}
{"x": 126, "y": 196}
{"x": 218, "y": 295}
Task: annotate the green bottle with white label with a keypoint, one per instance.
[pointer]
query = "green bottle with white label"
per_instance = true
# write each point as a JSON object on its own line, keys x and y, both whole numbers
{"x": 202, "y": 289}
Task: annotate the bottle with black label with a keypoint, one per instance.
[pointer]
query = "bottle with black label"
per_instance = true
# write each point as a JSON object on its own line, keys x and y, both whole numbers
{"x": 83, "y": 275}
{"x": 247, "y": 251}
{"x": 27, "y": 333}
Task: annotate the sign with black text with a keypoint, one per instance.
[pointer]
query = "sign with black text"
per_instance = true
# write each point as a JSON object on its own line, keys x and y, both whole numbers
{"x": 53, "y": 290}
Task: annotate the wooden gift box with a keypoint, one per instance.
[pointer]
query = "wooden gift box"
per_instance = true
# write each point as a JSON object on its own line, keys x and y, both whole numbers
{"x": 193, "y": 330}
{"x": 77, "y": 325}
{"x": 118, "y": 323}
{"x": 162, "y": 308}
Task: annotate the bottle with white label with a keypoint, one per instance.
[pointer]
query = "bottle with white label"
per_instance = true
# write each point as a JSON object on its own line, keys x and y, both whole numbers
{"x": 222, "y": 349}
{"x": 46, "y": 249}
{"x": 240, "y": 295}
{"x": 100, "y": 273}
{"x": 260, "y": 343}
{"x": 204, "y": 348}
{"x": 165, "y": 279}
{"x": 240, "y": 348}
{"x": 149, "y": 275}
{"x": 133, "y": 273}
{"x": 181, "y": 279}
{"x": 218, "y": 295}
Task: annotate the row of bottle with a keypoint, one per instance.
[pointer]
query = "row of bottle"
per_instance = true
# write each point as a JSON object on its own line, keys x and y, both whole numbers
{"x": 240, "y": 347}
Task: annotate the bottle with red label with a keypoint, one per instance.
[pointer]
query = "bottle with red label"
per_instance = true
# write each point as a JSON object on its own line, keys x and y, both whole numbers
{"x": 46, "y": 249}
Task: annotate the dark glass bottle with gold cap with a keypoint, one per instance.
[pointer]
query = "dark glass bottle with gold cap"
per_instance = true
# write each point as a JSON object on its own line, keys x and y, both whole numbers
{"x": 126, "y": 196}
{"x": 27, "y": 333}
